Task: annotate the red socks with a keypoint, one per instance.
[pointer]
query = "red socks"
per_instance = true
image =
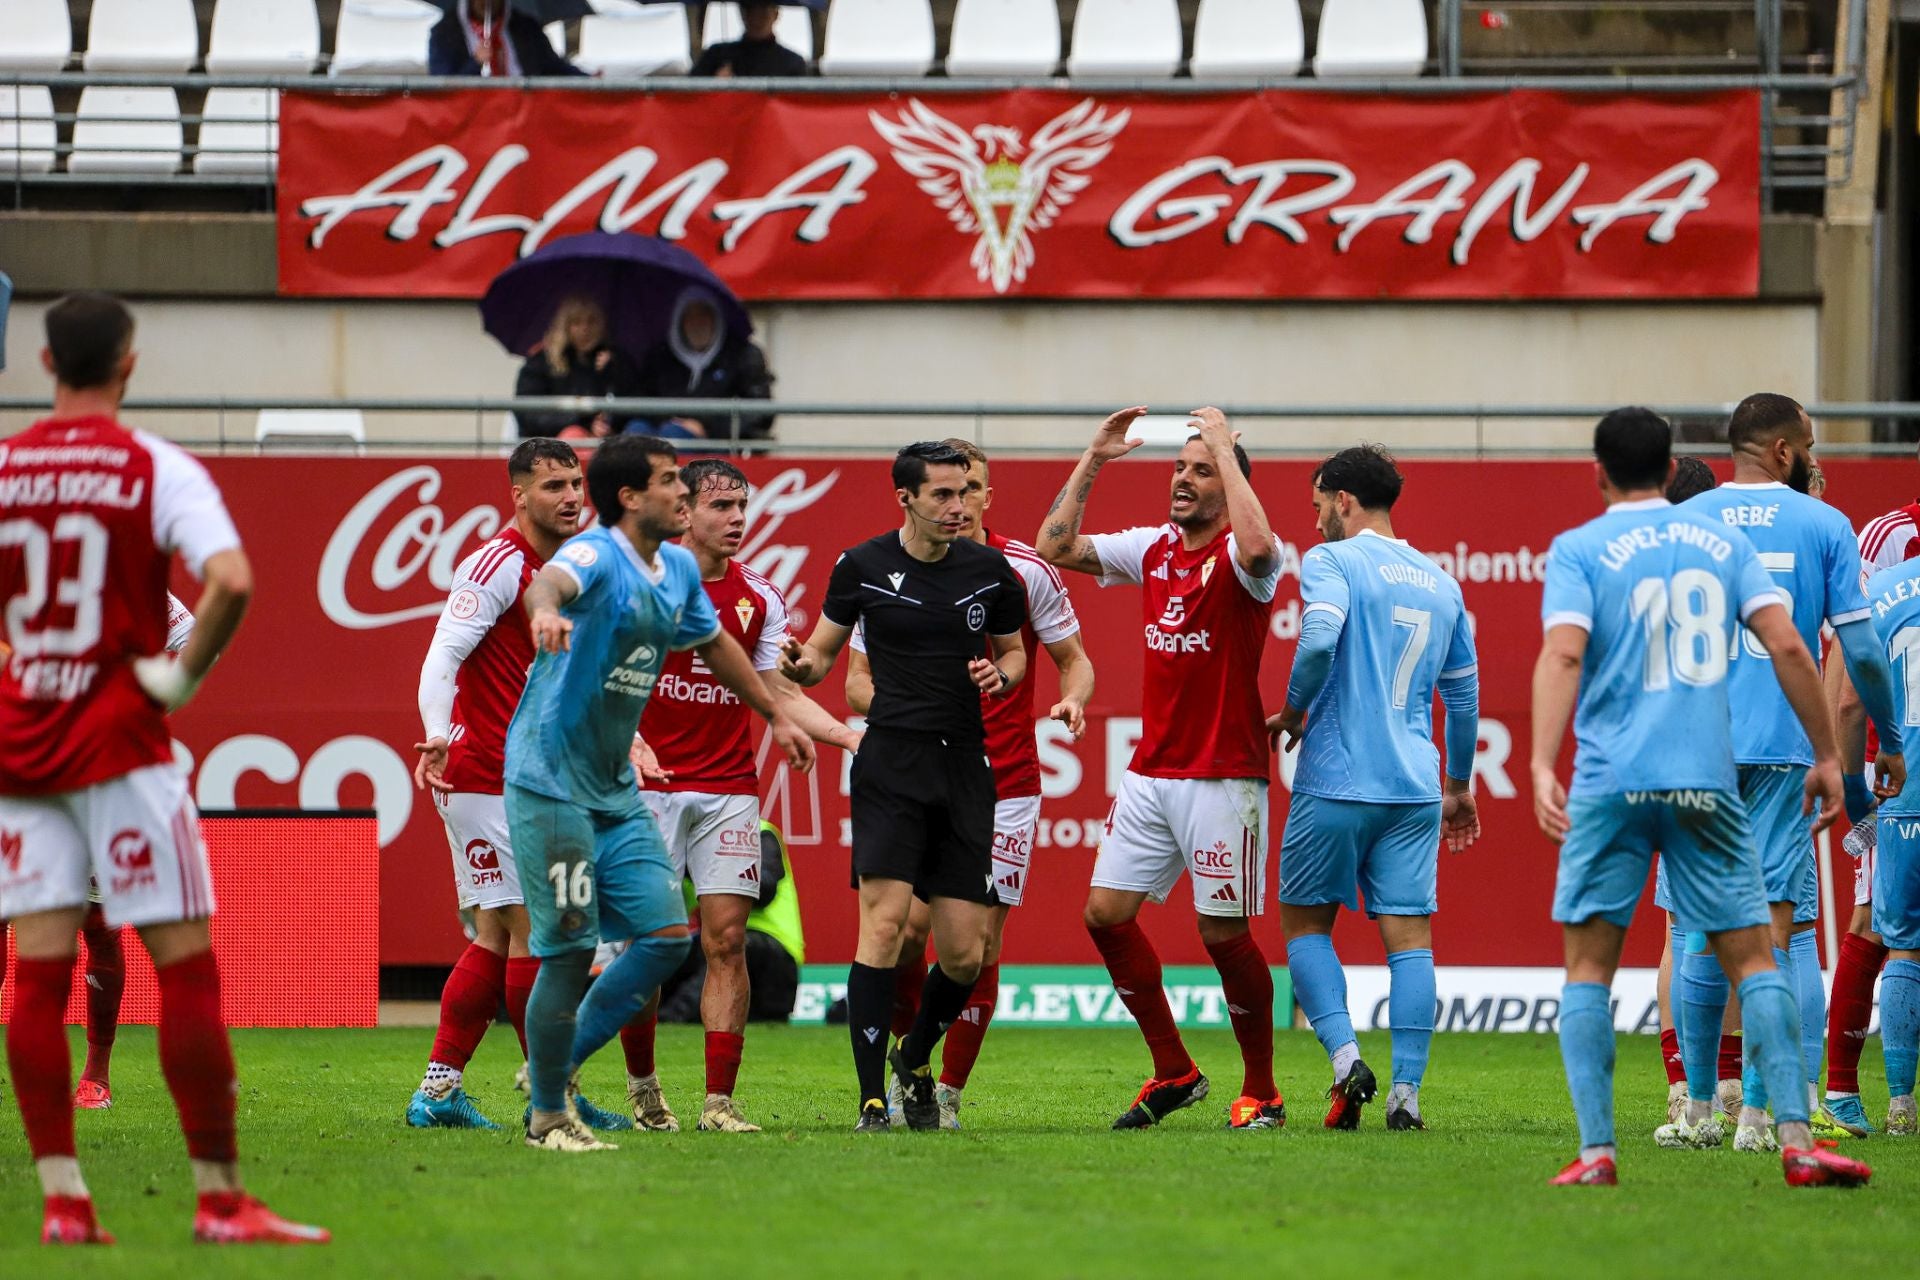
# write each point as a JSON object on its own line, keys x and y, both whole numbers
{"x": 1248, "y": 985}
{"x": 1849, "y": 1010}
{"x": 908, "y": 977}
{"x": 636, "y": 1040}
{"x": 964, "y": 1037}
{"x": 723, "y": 1061}
{"x": 196, "y": 1057}
{"x": 37, "y": 1054}
{"x": 1670, "y": 1054}
{"x": 106, "y": 981}
{"x": 521, "y": 971}
{"x": 467, "y": 1004}
{"x": 1730, "y": 1057}
{"x": 1135, "y": 969}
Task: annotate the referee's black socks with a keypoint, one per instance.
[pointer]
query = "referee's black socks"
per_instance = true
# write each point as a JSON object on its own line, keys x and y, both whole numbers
{"x": 869, "y": 1010}
{"x": 941, "y": 1001}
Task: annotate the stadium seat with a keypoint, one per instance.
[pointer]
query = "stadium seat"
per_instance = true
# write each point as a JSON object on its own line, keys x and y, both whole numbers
{"x": 651, "y": 42}
{"x": 1371, "y": 38}
{"x": 263, "y": 37}
{"x": 1004, "y": 38}
{"x": 1125, "y": 38}
{"x": 878, "y": 38}
{"x": 35, "y": 35}
{"x": 142, "y": 35}
{"x": 310, "y": 426}
{"x": 376, "y": 36}
{"x": 126, "y": 131}
{"x": 793, "y": 28}
{"x": 239, "y": 132}
{"x": 1247, "y": 38}
{"x": 26, "y": 129}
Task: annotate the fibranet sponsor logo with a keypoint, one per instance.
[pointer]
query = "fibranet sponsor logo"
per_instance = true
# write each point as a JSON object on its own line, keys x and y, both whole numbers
{"x": 677, "y": 688}
{"x": 1159, "y": 641}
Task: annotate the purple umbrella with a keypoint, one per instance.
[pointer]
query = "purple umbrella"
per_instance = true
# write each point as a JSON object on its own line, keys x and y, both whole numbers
{"x": 635, "y": 279}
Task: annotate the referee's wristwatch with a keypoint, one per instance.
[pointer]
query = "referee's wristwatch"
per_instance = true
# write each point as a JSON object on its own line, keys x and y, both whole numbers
{"x": 1005, "y": 680}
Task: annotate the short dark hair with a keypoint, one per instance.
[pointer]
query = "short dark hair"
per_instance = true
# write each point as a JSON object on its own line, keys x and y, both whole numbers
{"x": 534, "y": 450}
{"x": 974, "y": 454}
{"x": 911, "y": 463}
{"x": 88, "y": 333}
{"x": 712, "y": 473}
{"x": 1762, "y": 417}
{"x": 1691, "y": 478}
{"x": 1366, "y": 471}
{"x": 623, "y": 462}
{"x": 1634, "y": 446}
{"x": 1240, "y": 457}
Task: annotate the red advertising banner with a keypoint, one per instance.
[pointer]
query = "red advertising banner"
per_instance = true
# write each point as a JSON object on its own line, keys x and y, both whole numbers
{"x": 315, "y": 705}
{"x": 1037, "y": 193}
{"x": 276, "y": 877}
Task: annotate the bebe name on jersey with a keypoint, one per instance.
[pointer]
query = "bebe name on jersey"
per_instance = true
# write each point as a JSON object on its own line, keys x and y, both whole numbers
{"x": 1159, "y": 641}
{"x": 677, "y": 688}
{"x": 52, "y": 679}
{"x": 73, "y": 489}
{"x": 1751, "y": 517}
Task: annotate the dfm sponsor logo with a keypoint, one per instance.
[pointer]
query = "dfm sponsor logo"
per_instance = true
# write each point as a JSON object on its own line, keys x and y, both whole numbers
{"x": 132, "y": 857}
{"x": 483, "y": 860}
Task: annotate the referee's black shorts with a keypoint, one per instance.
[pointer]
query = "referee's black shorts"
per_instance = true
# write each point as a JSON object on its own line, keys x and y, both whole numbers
{"x": 923, "y": 813}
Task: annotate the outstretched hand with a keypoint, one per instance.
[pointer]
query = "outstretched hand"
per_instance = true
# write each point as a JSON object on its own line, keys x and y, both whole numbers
{"x": 796, "y": 662}
{"x": 1111, "y": 441}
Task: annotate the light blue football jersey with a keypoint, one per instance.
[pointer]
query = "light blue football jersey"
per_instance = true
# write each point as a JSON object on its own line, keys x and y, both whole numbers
{"x": 572, "y": 732}
{"x": 1808, "y": 549}
{"x": 1403, "y": 627}
{"x": 1661, "y": 593}
{"x": 1893, "y": 599}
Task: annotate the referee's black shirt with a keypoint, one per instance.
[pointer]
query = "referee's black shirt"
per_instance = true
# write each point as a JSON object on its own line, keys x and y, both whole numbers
{"x": 922, "y": 623}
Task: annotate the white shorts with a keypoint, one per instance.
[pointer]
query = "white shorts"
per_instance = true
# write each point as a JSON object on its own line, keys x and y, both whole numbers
{"x": 484, "y": 872}
{"x": 137, "y": 834}
{"x": 713, "y": 839}
{"x": 1213, "y": 828}
{"x": 1016, "y": 822}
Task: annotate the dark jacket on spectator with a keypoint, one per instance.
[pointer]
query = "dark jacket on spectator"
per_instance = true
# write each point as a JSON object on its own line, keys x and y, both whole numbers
{"x": 750, "y": 58}
{"x": 537, "y": 378}
{"x": 738, "y": 371}
{"x": 448, "y": 55}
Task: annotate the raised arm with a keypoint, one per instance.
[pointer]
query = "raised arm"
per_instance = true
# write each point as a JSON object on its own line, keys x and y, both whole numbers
{"x": 1799, "y": 679}
{"x": 1252, "y": 536}
{"x": 549, "y": 592}
{"x": 1060, "y": 542}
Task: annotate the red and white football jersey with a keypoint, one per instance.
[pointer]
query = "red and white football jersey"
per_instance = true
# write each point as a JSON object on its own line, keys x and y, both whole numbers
{"x": 698, "y": 728}
{"x": 179, "y": 624}
{"x": 91, "y": 513}
{"x": 1204, "y": 623}
{"x": 1009, "y": 720}
{"x": 483, "y": 633}
{"x": 1891, "y": 539}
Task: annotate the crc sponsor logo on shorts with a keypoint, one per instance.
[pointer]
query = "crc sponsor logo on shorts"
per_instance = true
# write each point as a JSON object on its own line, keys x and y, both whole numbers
{"x": 1159, "y": 641}
{"x": 1065, "y": 996}
{"x": 483, "y": 860}
{"x": 1704, "y": 801}
{"x": 738, "y": 842}
{"x": 1214, "y": 863}
{"x": 132, "y": 857}
{"x": 1014, "y": 847}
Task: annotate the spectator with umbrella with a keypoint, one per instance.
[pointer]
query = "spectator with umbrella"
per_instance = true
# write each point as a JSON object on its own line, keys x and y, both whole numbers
{"x": 756, "y": 52}
{"x": 688, "y": 331}
{"x": 575, "y": 359}
{"x": 500, "y": 38}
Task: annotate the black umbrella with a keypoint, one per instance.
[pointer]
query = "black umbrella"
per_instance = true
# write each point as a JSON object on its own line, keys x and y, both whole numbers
{"x": 543, "y": 11}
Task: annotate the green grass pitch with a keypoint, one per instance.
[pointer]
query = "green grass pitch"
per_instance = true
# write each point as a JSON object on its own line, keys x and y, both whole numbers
{"x": 1035, "y": 1185}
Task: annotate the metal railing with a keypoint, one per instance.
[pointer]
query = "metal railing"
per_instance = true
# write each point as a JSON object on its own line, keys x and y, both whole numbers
{"x": 489, "y": 414}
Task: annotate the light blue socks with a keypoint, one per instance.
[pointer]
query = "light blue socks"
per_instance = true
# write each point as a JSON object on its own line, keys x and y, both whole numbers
{"x": 1320, "y": 985}
{"x": 1410, "y": 1013}
{"x": 1586, "y": 1046}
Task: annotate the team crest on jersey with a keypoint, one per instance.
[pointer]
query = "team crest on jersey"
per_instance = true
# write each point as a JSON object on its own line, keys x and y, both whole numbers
{"x": 580, "y": 553}
{"x": 743, "y": 610}
{"x": 1206, "y": 570}
{"x": 464, "y": 604}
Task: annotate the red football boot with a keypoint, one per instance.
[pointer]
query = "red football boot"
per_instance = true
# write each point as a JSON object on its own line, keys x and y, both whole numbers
{"x": 1821, "y": 1166}
{"x": 234, "y": 1217}
{"x": 92, "y": 1095}
{"x": 1158, "y": 1099}
{"x": 1349, "y": 1096}
{"x": 1588, "y": 1173}
{"x": 70, "y": 1220}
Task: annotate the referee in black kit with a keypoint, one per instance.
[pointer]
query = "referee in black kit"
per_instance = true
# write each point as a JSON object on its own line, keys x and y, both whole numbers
{"x": 931, "y": 602}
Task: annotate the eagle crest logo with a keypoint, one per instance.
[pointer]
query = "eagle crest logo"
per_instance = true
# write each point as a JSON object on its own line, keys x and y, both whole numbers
{"x": 994, "y": 183}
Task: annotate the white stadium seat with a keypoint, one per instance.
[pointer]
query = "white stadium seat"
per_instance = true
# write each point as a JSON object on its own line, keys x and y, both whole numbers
{"x": 878, "y": 38}
{"x": 1371, "y": 38}
{"x": 652, "y": 42}
{"x": 375, "y": 36}
{"x": 1247, "y": 38}
{"x": 1125, "y": 38}
{"x": 263, "y": 37}
{"x": 239, "y": 132}
{"x": 35, "y": 35}
{"x": 793, "y": 28}
{"x": 126, "y": 131}
{"x": 1004, "y": 38}
{"x": 142, "y": 35}
{"x": 310, "y": 426}
{"x": 26, "y": 129}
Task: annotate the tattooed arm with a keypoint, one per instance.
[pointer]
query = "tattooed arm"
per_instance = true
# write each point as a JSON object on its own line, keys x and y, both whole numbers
{"x": 1060, "y": 542}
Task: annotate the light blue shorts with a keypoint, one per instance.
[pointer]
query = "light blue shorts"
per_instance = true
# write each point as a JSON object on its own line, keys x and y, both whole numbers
{"x": 1782, "y": 836}
{"x": 1333, "y": 850}
{"x": 1707, "y": 852}
{"x": 1896, "y": 882}
{"x": 588, "y": 875}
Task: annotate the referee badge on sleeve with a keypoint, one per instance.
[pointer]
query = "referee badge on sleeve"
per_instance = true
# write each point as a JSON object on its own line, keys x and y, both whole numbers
{"x": 976, "y": 616}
